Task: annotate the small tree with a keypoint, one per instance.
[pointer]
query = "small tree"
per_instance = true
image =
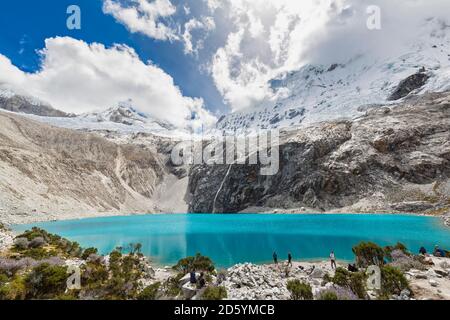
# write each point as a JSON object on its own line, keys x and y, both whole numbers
{"x": 300, "y": 290}
{"x": 368, "y": 254}
{"x": 197, "y": 263}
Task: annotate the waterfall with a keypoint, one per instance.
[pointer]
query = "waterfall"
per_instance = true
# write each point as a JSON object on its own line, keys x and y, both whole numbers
{"x": 220, "y": 188}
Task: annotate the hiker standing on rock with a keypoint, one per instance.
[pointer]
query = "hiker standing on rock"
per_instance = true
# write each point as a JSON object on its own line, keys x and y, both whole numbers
{"x": 275, "y": 257}
{"x": 289, "y": 259}
{"x": 333, "y": 260}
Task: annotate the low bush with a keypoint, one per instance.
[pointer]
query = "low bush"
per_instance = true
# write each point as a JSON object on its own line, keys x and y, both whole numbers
{"x": 336, "y": 293}
{"x": 215, "y": 293}
{"x": 300, "y": 290}
{"x": 355, "y": 281}
{"x": 392, "y": 282}
{"x": 39, "y": 244}
{"x": 171, "y": 288}
{"x": 46, "y": 281}
{"x": 328, "y": 295}
{"x": 150, "y": 293}
{"x": 406, "y": 262}
{"x": 388, "y": 250}
{"x": 21, "y": 243}
{"x": 13, "y": 290}
{"x": 94, "y": 275}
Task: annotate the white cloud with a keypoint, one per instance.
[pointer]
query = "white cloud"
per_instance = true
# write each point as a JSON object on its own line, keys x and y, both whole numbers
{"x": 269, "y": 38}
{"x": 79, "y": 77}
{"x": 143, "y": 16}
{"x": 213, "y": 4}
{"x": 205, "y": 25}
{"x": 148, "y": 17}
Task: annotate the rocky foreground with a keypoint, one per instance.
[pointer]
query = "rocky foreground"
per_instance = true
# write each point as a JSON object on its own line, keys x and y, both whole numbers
{"x": 268, "y": 282}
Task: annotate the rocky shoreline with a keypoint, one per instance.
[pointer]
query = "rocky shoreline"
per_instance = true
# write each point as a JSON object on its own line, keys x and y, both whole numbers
{"x": 446, "y": 219}
{"x": 268, "y": 282}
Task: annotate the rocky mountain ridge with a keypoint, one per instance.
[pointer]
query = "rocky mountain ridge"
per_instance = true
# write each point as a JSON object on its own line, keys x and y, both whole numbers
{"x": 22, "y": 104}
{"x": 51, "y": 173}
{"x": 392, "y": 159}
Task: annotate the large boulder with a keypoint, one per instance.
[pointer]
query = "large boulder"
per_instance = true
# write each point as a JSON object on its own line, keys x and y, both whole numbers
{"x": 408, "y": 85}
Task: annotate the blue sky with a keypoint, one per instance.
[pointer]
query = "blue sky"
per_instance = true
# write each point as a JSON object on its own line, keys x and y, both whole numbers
{"x": 26, "y": 24}
{"x": 188, "y": 61}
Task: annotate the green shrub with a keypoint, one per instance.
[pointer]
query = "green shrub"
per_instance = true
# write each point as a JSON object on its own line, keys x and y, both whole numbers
{"x": 197, "y": 263}
{"x": 88, "y": 252}
{"x": 150, "y": 293}
{"x": 14, "y": 290}
{"x": 67, "y": 297}
{"x": 125, "y": 273}
{"x": 171, "y": 287}
{"x": 368, "y": 254}
{"x": 37, "y": 238}
{"x": 399, "y": 246}
{"x": 3, "y": 278}
{"x": 215, "y": 293}
{"x": 46, "y": 281}
{"x": 392, "y": 282}
{"x": 300, "y": 290}
{"x": 94, "y": 275}
{"x": 355, "y": 281}
{"x": 135, "y": 248}
{"x": 328, "y": 295}
{"x": 38, "y": 253}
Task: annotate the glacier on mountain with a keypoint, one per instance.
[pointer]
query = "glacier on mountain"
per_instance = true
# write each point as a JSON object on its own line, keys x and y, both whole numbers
{"x": 318, "y": 92}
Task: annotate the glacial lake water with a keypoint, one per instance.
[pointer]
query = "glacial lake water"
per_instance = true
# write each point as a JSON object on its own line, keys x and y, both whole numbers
{"x": 231, "y": 239}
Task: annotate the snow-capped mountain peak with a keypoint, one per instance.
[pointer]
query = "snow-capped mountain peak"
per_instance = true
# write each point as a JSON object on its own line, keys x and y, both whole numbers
{"x": 125, "y": 113}
{"x": 318, "y": 92}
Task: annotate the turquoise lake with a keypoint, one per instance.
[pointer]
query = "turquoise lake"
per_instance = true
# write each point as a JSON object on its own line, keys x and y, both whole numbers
{"x": 231, "y": 239}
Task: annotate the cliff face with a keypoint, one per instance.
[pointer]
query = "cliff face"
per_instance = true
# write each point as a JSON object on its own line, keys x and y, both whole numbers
{"x": 48, "y": 173}
{"x": 393, "y": 159}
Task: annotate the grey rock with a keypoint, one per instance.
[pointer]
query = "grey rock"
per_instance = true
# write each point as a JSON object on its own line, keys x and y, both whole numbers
{"x": 408, "y": 85}
{"x": 22, "y": 104}
{"x": 189, "y": 291}
{"x": 413, "y": 206}
{"x": 317, "y": 273}
{"x": 441, "y": 272}
{"x": 336, "y": 164}
{"x": 433, "y": 283}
